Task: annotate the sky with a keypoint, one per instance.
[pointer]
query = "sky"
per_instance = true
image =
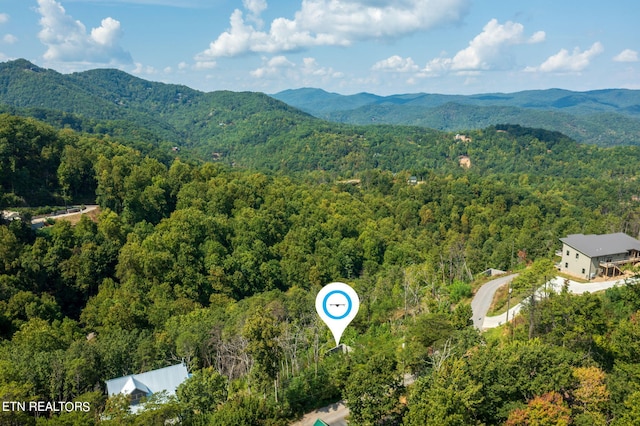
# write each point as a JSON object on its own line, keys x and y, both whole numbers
{"x": 345, "y": 46}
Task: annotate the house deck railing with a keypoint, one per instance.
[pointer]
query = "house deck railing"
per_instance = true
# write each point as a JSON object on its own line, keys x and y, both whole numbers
{"x": 615, "y": 263}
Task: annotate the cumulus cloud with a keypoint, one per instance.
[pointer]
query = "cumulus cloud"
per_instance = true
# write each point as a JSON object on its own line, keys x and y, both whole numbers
{"x": 67, "y": 40}
{"x": 396, "y": 63}
{"x": 332, "y": 23}
{"x": 280, "y": 68}
{"x": 9, "y": 39}
{"x": 311, "y": 68}
{"x": 565, "y": 61}
{"x": 275, "y": 66}
{"x": 205, "y": 65}
{"x": 194, "y": 4}
{"x": 626, "y": 55}
{"x": 486, "y": 48}
{"x": 144, "y": 69}
{"x": 256, "y": 7}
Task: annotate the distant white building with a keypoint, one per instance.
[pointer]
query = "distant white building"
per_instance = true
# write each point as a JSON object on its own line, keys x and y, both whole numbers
{"x": 588, "y": 256}
{"x": 138, "y": 386}
{"x": 9, "y": 215}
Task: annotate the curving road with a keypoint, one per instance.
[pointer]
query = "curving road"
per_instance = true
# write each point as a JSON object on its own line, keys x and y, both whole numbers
{"x": 482, "y": 300}
{"x": 484, "y": 296}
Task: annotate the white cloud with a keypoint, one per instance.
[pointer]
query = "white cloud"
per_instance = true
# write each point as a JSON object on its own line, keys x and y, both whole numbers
{"x": 142, "y": 69}
{"x": 332, "y": 23}
{"x": 563, "y": 61}
{"x": 436, "y": 67}
{"x": 9, "y": 39}
{"x": 194, "y": 4}
{"x": 490, "y": 43}
{"x": 538, "y": 37}
{"x": 396, "y": 63}
{"x": 67, "y": 39}
{"x": 256, "y": 7}
{"x": 627, "y": 55}
{"x": 485, "y": 51}
{"x": 275, "y": 66}
{"x": 279, "y": 70}
{"x": 205, "y": 65}
{"x": 108, "y": 33}
{"x": 310, "y": 67}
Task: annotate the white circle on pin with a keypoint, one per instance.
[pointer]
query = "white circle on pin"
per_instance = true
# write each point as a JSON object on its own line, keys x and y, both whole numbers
{"x": 337, "y": 304}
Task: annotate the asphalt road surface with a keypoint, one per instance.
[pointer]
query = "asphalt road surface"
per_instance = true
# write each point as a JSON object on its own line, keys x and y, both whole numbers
{"x": 482, "y": 300}
{"x": 333, "y": 415}
{"x": 39, "y": 222}
{"x": 554, "y": 284}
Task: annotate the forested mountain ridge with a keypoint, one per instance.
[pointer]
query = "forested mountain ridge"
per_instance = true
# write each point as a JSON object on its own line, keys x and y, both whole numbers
{"x": 218, "y": 266}
{"x": 603, "y": 117}
{"x": 623, "y": 101}
{"x": 114, "y": 102}
{"x": 216, "y": 263}
{"x": 253, "y": 130}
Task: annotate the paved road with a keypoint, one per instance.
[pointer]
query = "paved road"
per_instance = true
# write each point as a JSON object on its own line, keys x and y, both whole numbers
{"x": 37, "y": 222}
{"x": 484, "y": 296}
{"x": 554, "y": 284}
{"x": 333, "y": 415}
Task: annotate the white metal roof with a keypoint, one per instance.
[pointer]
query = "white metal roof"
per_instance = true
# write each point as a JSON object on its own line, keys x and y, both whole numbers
{"x": 163, "y": 379}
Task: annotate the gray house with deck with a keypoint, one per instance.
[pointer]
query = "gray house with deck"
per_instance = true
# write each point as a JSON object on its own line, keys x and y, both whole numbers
{"x": 588, "y": 256}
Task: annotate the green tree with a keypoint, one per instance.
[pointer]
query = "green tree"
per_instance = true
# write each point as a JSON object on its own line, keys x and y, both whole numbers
{"x": 262, "y": 331}
{"x": 631, "y": 413}
{"x": 532, "y": 279}
{"x": 373, "y": 392}
{"x": 519, "y": 371}
{"x": 203, "y": 392}
{"x": 448, "y": 396}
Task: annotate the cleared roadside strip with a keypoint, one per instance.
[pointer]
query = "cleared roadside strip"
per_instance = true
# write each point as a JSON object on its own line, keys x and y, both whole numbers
{"x": 555, "y": 285}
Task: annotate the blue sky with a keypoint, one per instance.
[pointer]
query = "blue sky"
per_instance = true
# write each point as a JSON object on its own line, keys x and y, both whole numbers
{"x": 344, "y": 46}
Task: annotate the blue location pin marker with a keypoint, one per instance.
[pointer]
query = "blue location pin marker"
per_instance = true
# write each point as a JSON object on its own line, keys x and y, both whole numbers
{"x": 337, "y": 304}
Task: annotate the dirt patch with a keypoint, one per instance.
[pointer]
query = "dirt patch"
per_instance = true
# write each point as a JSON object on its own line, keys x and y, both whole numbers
{"x": 75, "y": 218}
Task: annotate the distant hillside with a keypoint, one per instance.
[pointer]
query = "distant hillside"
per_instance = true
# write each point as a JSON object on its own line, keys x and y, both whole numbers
{"x": 256, "y": 131}
{"x": 602, "y": 117}
{"x": 112, "y": 101}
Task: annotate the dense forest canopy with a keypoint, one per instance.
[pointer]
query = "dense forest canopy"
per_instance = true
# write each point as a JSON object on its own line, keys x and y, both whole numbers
{"x": 218, "y": 264}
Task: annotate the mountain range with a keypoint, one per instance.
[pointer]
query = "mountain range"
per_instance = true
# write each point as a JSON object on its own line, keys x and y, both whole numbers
{"x": 602, "y": 117}
{"x": 257, "y": 131}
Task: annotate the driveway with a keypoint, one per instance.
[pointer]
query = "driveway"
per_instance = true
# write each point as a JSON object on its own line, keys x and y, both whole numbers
{"x": 40, "y": 221}
{"x": 333, "y": 415}
{"x": 554, "y": 284}
{"x": 484, "y": 296}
